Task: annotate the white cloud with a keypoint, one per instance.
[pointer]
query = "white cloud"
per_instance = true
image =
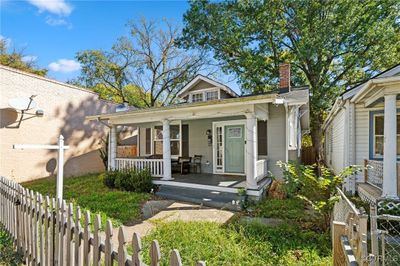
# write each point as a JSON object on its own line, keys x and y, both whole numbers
{"x": 29, "y": 58}
{"x": 56, "y": 21}
{"x": 58, "y": 7}
{"x": 64, "y": 66}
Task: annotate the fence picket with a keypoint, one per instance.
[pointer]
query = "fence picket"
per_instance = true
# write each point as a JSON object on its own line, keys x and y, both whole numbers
{"x": 45, "y": 231}
{"x": 108, "y": 244}
{"x": 69, "y": 233}
{"x": 41, "y": 229}
{"x": 97, "y": 240}
{"x": 86, "y": 237}
{"x": 175, "y": 258}
{"x": 121, "y": 247}
{"x": 77, "y": 238}
{"x": 155, "y": 253}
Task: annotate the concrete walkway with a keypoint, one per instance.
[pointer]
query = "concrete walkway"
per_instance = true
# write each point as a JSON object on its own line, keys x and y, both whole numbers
{"x": 167, "y": 211}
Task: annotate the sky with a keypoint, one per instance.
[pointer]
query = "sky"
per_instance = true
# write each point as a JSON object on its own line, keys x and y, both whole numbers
{"x": 53, "y": 31}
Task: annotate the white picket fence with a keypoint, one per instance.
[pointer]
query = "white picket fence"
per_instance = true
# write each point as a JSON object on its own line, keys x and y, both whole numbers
{"x": 155, "y": 166}
{"x": 49, "y": 232}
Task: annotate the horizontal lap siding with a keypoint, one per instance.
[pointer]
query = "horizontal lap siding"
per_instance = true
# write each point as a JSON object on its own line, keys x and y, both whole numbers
{"x": 362, "y": 137}
{"x": 276, "y": 138}
{"x": 338, "y": 133}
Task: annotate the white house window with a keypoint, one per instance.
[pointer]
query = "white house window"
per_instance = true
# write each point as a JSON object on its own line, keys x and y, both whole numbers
{"x": 378, "y": 135}
{"x": 175, "y": 138}
{"x": 197, "y": 97}
{"x": 211, "y": 95}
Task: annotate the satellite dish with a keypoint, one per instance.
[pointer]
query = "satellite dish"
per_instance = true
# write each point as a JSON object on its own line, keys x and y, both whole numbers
{"x": 22, "y": 104}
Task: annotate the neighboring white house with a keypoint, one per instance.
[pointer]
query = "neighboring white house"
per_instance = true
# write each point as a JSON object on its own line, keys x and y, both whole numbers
{"x": 239, "y": 139}
{"x": 363, "y": 123}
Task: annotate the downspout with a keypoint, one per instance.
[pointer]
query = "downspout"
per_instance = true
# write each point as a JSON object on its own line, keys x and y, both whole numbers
{"x": 286, "y": 132}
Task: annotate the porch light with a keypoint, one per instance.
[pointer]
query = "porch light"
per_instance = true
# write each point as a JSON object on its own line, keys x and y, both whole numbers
{"x": 279, "y": 101}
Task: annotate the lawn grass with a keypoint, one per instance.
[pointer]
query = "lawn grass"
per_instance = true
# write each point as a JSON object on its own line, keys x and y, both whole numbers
{"x": 290, "y": 208}
{"x": 240, "y": 244}
{"x": 89, "y": 192}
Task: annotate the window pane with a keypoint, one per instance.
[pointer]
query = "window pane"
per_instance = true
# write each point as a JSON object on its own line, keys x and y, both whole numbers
{"x": 398, "y": 144}
{"x": 158, "y": 147}
{"x": 262, "y": 137}
{"x": 148, "y": 141}
{"x": 379, "y": 145}
{"x": 174, "y": 147}
{"x": 211, "y": 95}
{"x": 198, "y": 97}
{"x": 158, "y": 132}
{"x": 398, "y": 124}
{"x": 379, "y": 125}
{"x": 174, "y": 132}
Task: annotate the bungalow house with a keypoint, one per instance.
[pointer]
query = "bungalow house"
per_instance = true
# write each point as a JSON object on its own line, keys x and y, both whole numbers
{"x": 363, "y": 128}
{"x": 215, "y": 139}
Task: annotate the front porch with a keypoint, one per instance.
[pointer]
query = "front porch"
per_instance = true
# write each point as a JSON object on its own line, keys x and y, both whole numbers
{"x": 372, "y": 189}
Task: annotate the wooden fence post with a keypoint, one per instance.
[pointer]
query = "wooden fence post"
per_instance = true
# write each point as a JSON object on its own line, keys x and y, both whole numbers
{"x": 374, "y": 231}
{"x": 338, "y": 230}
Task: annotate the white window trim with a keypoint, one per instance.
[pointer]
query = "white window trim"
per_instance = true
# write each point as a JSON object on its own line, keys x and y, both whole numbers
{"x": 204, "y": 92}
{"x": 153, "y": 138}
{"x": 222, "y": 124}
{"x": 378, "y": 156}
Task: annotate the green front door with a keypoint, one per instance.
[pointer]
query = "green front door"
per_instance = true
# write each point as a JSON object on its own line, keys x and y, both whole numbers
{"x": 234, "y": 149}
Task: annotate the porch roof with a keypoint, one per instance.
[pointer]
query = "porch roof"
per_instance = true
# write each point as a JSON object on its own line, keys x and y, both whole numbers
{"x": 191, "y": 110}
{"x": 375, "y": 89}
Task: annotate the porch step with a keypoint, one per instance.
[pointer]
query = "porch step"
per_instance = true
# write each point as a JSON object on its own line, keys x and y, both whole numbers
{"x": 216, "y": 199}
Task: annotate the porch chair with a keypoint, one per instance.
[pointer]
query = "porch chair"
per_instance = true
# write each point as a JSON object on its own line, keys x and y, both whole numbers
{"x": 184, "y": 163}
{"x": 196, "y": 164}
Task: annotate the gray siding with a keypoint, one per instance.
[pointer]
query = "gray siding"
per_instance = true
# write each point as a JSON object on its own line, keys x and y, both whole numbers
{"x": 276, "y": 138}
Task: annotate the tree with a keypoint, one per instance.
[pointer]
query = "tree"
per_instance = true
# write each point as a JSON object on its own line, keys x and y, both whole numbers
{"x": 16, "y": 59}
{"x": 145, "y": 68}
{"x": 329, "y": 43}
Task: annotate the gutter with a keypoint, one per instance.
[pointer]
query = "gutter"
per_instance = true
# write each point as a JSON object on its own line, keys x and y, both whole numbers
{"x": 337, "y": 106}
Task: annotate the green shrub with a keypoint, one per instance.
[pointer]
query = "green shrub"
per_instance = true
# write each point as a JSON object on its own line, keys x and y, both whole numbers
{"x": 8, "y": 256}
{"x": 129, "y": 180}
{"x": 315, "y": 186}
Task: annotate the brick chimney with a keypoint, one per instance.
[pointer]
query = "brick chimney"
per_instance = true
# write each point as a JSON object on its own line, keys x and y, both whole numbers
{"x": 284, "y": 77}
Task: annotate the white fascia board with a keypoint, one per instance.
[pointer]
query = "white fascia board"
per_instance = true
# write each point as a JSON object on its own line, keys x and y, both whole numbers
{"x": 187, "y": 88}
{"x": 336, "y": 107}
{"x": 373, "y": 83}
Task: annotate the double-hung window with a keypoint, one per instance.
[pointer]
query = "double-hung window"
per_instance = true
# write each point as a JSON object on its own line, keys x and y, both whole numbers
{"x": 197, "y": 97}
{"x": 378, "y": 135}
{"x": 211, "y": 95}
{"x": 175, "y": 138}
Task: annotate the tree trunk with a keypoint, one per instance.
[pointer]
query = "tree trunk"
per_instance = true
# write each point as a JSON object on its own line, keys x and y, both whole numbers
{"x": 317, "y": 134}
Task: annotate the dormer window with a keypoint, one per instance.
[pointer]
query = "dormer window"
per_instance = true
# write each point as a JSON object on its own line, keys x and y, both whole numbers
{"x": 212, "y": 95}
{"x": 197, "y": 97}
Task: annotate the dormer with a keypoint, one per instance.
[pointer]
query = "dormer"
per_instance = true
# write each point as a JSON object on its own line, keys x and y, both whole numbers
{"x": 202, "y": 89}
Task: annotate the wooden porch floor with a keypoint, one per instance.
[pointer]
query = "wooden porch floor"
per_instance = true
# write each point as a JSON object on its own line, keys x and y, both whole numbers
{"x": 228, "y": 181}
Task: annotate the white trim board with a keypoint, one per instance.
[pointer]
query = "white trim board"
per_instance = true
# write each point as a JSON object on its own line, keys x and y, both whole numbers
{"x": 256, "y": 193}
{"x": 222, "y": 124}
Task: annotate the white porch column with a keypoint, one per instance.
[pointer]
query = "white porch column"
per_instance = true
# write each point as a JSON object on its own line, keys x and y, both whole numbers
{"x": 251, "y": 151}
{"x": 390, "y": 148}
{"x": 166, "y": 151}
{"x": 112, "y": 151}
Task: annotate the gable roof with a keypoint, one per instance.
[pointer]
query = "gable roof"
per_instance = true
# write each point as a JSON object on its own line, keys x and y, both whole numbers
{"x": 393, "y": 71}
{"x": 185, "y": 90}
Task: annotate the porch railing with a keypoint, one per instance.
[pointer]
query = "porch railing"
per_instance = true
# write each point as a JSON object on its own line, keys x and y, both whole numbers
{"x": 261, "y": 169}
{"x": 374, "y": 172}
{"x": 156, "y": 166}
